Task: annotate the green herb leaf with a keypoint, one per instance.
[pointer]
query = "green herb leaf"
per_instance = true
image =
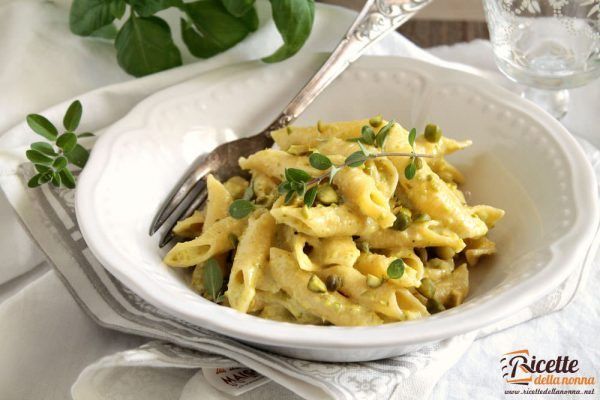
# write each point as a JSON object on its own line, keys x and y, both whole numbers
{"x": 367, "y": 135}
{"x": 87, "y": 16}
{"x": 44, "y": 147}
{"x": 319, "y": 161}
{"x": 117, "y": 8}
{"x": 78, "y": 156}
{"x": 146, "y": 8}
{"x": 356, "y": 159}
{"x": 309, "y": 197}
{"x": 73, "y": 116}
{"x": 298, "y": 187}
{"x": 42, "y": 168}
{"x": 40, "y": 125}
{"x": 144, "y": 46}
{"x": 212, "y": 278}
{"x": 240, "y": 208}
{"x": 37, "y": 157}
{"x": 59, "y": 163}
{"x": 34, "y": 181}
{"x": 412, "y": 136}
{"x": 410, "y": 170}
{"x": 67, "y": 141}
{"x": 85, "y": 134}
{"x": 45, "y": 178}
{"x": 289, "y": 197}
{"x": 55, "y": 179}
{"x": 396, "y": 269}
{"x": 67, "y": 178}
{"x": 297, "y": 175}
{"x": 238, "y": 8}
{"x": 294, "y": 20}
{"x": 213, "y": 29}
{"x": 383, "y": 134}
{"x": 108, "y": 32}
{"x": 284, "y": 187}
{"x": 363, "y": 149}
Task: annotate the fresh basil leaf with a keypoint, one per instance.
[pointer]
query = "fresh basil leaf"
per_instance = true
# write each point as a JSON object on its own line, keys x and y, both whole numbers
{"x": 412, "y": 136}
{"x": 310, "y": 196}
{"x": 37, "y": 157}
{"x": 144, "y": 46}
{"x": 108, "y": 32}
{"x": 212, "y": 277}
{"x": 319, "y": 161}
{"x": 294, "y": 21}
{"x": 34, "y": 181}
{"x": 73, "y": 116}
{"x": 78, "y": 156}
{"x": 67, "y": 141}
{"x": 410, "y": 170}
{"x": 87, "y": 16}
{"x": 40, "y": 125}
{"x": 59, "y": 163}
{"x": 146, "y": 8}
{"x": 117, "y": 8}
{"x": 297, "y": 175}
{"x": 396, "y": 269}
{"x": 67, "y": 178}
{"x": 44, "y": 147}
{"x": 240, "y": 208}
{"x": 356, "y": 159}
{"x": 238, "y": 8}
{"x": 212, "y": 29}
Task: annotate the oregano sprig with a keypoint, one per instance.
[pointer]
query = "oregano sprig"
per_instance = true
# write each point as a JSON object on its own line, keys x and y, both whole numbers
{"x": 299, "y": 183}
{"x": 51, "y": 159}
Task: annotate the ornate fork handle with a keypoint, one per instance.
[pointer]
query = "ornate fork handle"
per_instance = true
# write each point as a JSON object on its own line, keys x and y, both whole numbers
{"x": 376, "y": 19}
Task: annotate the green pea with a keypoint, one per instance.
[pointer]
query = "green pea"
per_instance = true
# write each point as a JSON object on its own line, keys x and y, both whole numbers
{"x": 427, "y": 288}
{"x": 402, "y": 221}
{"x": 434, "y": 306}
{"x": 333, "y": 282}
{"x": 433, "y": 133}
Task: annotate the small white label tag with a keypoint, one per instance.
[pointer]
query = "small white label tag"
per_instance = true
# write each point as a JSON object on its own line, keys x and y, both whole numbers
{"x": 234, "y": 381}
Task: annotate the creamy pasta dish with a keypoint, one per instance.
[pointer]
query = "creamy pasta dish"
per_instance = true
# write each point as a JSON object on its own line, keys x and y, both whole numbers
{"x": 346, "y": 223}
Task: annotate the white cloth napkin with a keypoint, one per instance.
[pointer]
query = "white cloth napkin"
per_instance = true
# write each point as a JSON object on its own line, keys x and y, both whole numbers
{"x": 51, "y": 329}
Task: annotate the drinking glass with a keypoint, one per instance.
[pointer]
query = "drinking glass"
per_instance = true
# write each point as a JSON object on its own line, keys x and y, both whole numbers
{"x": 549, "y": 46}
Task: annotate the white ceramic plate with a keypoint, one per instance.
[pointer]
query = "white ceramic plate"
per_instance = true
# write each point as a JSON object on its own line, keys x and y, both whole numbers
{"x": 522, "y": 161}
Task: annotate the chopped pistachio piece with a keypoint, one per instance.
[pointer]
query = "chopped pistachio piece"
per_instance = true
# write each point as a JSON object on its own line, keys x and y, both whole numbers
{"x": 373, "y": 281}
{"x": 327, "y": 195}
{"x": 316, "y": 285}
{"x": 427, "y": 288}
{"x": 434, "y": 306}
{"x": 376, "y": 121}
{"x": 402, "y": 221}
{"x": 422, "y": 218}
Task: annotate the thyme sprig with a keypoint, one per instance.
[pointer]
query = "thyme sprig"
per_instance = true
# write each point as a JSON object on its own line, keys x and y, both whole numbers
{"x": 300, "y": 183}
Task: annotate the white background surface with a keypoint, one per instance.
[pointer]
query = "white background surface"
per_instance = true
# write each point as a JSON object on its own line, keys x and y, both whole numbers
{"x": 46, "y": 340}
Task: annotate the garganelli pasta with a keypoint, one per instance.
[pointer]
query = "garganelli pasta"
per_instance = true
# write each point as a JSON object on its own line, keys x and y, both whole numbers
{"x": 346, "y": 223}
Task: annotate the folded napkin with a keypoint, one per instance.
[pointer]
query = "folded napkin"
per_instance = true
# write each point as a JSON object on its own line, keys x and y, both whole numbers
{"x": 181, "y": 359}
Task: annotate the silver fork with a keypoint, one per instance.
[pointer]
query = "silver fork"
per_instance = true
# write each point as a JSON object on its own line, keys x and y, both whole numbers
{"x": 376, "y": 19}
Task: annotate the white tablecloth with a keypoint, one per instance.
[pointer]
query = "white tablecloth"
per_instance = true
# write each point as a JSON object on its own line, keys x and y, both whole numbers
{"x": 46, "y": 339}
